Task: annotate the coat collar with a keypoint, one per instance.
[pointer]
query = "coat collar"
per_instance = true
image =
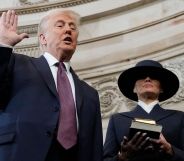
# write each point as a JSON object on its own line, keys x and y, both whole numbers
{"x": 45, "y": 72}
{"x": 156, "y": 114}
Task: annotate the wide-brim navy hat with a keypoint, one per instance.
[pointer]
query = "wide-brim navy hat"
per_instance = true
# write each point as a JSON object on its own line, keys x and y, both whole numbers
{"x": 169, "y": 81}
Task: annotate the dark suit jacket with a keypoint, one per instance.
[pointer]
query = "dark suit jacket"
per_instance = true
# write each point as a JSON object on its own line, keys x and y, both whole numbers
{"x": 173, "y": 130}
{"x": 31, "y": 116}
{"x": 5, "y": 80}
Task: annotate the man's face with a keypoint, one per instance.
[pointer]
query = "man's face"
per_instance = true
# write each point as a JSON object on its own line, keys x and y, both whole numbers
{"x": 60, "y": 36}
{"x": 147, "y": 88}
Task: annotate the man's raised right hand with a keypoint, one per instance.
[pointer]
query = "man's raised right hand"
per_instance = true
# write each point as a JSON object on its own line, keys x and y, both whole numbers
{"x": 8, "y": 29}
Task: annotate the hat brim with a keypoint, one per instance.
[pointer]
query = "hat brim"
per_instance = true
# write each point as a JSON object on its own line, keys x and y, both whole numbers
{"x": 169, "y": 81}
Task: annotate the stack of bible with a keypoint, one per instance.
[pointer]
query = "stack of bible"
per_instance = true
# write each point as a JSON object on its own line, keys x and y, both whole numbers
{"x": 150, "y": 127}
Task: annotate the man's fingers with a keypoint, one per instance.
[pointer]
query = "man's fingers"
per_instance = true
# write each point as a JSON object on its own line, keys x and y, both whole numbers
{"x": 3, "y": 17}
{"x": 12, "y": 17}
{"x": 8, "y": 16}
{"x": 15, "y": 21}
{"x": 8, "y": 31}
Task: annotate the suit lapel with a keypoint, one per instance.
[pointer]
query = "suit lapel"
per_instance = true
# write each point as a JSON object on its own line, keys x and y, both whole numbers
{"x": 45, "y": 72}
{"x": 78, "y": 92}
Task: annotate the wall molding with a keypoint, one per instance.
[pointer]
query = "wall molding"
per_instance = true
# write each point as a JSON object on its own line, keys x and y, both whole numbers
{"x": 32, "y": 29}
{"x": 42, "y": 7}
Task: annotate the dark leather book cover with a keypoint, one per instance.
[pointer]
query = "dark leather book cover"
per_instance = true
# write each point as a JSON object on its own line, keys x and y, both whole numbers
{"x": 152, "y": 129}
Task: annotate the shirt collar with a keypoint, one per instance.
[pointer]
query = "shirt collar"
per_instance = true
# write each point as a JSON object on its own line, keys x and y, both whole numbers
{"x": 147, "y": 107}
{"x": 52, "y": 61}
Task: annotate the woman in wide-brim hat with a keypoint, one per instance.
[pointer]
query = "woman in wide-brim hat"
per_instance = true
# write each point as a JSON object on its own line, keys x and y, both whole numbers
{"x": 169, "y": 81}
{"x": 148, "y": 83}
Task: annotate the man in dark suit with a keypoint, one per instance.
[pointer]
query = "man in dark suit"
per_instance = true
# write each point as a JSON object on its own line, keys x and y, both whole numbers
{"x": 34, "y": 125}
{"x": 5, "y": 76}
{"x": 147, "y": 83}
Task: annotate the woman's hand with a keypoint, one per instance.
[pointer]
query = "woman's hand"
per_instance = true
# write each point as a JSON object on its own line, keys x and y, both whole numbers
{"x": 130, "y": 147}
{"x": 163, "y": 144}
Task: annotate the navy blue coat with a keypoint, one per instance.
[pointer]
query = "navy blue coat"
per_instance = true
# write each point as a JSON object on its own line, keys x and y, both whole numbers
{"x": 173, "y": 130}
{"x": 5, "y": 76}
{"x": 29, "y": 120}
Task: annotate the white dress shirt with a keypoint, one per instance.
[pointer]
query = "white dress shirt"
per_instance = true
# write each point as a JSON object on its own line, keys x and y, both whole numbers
{"x": 52, "y": 61}
{"x": 147, "y": 107}
{"x": 52, "y": 64}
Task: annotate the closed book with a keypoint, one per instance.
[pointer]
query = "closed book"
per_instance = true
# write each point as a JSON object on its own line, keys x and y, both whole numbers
{"x": 152, "y": 129}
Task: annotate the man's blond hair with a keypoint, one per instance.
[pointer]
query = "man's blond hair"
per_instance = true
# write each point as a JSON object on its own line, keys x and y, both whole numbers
{"x": 74, "y": 15}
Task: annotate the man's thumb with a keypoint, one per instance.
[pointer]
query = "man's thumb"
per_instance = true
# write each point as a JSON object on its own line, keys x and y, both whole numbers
{"x": 23, "y": 36}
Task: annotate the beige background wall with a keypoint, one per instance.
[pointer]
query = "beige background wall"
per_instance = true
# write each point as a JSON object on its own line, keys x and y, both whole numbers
{"x": 115, "y": 34}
